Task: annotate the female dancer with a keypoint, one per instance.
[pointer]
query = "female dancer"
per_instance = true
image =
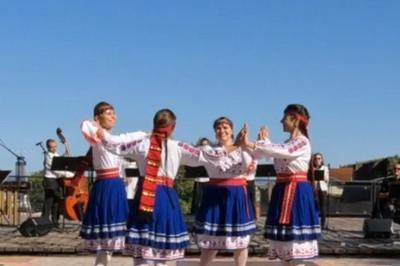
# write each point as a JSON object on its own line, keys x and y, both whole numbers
{"x": 104, "y": 222}
{"x": 225, "y": 219}
{"x": 292, "y": 225}
{"x": 157, "y": 230}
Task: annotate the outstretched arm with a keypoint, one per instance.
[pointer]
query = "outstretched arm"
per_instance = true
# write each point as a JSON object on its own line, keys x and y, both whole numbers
{"x": 193, "y": 156}
{"x": 264, "y": 148}
{"x": 125, "y": 145}
{"x": 293, "y": 149}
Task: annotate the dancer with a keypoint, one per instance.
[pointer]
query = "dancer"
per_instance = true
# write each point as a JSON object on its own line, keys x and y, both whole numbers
{"x": 225, "y": 219}
{"x": 104, "y": 222}
{"x": 157, "y": 230}
{"x": 292, "y": 225}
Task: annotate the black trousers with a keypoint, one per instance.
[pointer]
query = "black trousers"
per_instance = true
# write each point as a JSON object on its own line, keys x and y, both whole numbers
{"x": 197, "y": 195}
{"x": 251, "y": 189}
{"x": 52, "y": 197}
{"x": 322, "y": 200}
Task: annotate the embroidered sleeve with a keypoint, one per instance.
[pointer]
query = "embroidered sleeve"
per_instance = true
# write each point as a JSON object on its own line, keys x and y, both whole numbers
{"x": 189, "y": 155}
{"x": 121, "y": 147}
{"x": 193, "y": 156}
{"x": 290, "y": 150}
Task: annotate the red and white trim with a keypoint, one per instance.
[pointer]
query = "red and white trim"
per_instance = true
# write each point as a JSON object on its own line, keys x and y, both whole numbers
{"x": 223, "y": 242}
{"x": 289, "y": 250}
{"x": 116, "y": 243}
{"x": 150, "y": 253}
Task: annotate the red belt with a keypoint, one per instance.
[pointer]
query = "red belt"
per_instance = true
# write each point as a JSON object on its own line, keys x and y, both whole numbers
{"x": 107, "y": 173}
{"x": 291, "y": 180}
{"x": 237, "y": 182}
{"x": 228, "y": 182}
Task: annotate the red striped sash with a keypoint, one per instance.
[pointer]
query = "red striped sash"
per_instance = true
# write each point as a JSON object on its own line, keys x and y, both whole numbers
{"x": 291, "y": 180}
{"x": 107, "y": 173}
{"x": 163, "y": 181}
{"x": 148, "y": 196}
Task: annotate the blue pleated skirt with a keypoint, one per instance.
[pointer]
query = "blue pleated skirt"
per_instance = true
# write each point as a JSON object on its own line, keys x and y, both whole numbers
{"x": 225, "y": 211}
{"x": 304, "y": 223}
{"x": 166, "y": 237}
{"x": 104, "y": 222}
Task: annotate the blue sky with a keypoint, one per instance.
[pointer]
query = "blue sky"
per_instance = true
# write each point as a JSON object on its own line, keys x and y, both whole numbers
{"x": 243, "y": 59}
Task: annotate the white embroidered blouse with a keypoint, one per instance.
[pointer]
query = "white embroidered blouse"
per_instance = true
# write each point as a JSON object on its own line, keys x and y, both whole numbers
{"x": 178, "y": 153}
{"x": 293, "y": 156}
{"x": 102, "y": 158}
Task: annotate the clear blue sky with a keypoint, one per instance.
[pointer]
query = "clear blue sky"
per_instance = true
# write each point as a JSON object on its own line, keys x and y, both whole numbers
{"x": 243, "y": 59}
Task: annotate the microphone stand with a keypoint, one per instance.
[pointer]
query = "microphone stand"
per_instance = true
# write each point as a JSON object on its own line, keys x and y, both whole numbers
{"x": 41, "y": 146}
{"x": 20, "y": 175}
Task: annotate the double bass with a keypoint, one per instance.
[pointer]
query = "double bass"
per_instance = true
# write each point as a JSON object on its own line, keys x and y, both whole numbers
{"x": 76, "y": 194}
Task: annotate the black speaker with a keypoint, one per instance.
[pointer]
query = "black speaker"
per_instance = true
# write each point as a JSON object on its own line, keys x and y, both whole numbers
{"x": 37, "y": 226}
{"x": 377, "y": 228}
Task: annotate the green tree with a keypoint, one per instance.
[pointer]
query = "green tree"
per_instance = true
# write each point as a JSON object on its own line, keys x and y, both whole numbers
{"x": 184, "y": 188}
{"x": 36, "y": 193}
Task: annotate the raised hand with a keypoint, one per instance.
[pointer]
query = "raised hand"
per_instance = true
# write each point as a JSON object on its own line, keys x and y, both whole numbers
{"x": 246, "y": 142}
{"x": 100, "y": 134}
{"x": 240, "y": 136}
{"x": 263, "y": 134}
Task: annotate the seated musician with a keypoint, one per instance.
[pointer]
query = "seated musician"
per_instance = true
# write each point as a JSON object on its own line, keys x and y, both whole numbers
{"x": 389, "y": 205}
{"x": 51, "y": 186}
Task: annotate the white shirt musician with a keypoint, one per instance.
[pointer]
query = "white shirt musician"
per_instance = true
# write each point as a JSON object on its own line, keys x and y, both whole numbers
{"x": 51, "y": 186}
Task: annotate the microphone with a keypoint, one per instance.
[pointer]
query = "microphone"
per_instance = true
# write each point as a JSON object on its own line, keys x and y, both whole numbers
{"x": 40, "y": 143}
{"x": 60, "y": 135}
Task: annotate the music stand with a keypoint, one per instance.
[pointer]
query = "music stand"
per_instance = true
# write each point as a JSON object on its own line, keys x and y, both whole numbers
{"x": 194, "y": 172}
{"x": 394, "y": 191}
{"x": 3, "y": 177}
{"x": 265, "y": 170}
{"x": 319, "y": 175}
{"x": 132, "y": 172}
{"x": 72, "y": 164}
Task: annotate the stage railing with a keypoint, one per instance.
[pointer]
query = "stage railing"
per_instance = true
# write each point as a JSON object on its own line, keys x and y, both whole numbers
{"x": 354, "y": 198}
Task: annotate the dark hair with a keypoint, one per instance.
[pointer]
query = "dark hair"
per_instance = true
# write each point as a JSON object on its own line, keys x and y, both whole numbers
{"x": 102, "y": 107}
{"x": 313, "y": 158}
{"x": 48, "y": 141}
{"x": 163, "y": 117}
{"x": 298, "y": 109}
{"x": 201, "y": 140}
{"x": 220, "y": 120}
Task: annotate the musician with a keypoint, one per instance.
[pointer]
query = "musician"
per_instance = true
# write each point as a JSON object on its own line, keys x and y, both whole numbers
{"x": 388, "y": 206}
{"x": 51, "y": 186}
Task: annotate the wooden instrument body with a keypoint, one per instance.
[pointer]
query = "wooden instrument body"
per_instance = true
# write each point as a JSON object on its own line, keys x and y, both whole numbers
{"x": 76, "y": 197}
